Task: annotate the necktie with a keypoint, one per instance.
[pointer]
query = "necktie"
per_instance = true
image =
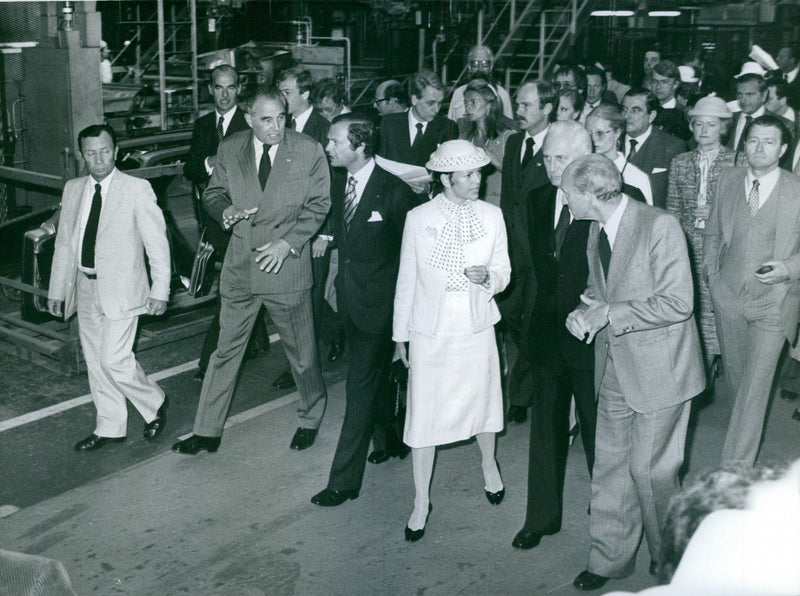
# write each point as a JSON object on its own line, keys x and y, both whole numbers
{"x": 350, "y": 201}
{"x": 753, "y": 198}
{"x": 561, "y": 229}
{"x": 418, "y": 136}
{"x": 604, "y": 248}
{"x": 264, "y": 167}
{"x": 528, "y": 155}
{"x": 632, "y": 151}
{"x": 740, "y": 145}
{"x": 90, "y": 233}
{"x": 220, "y": 131}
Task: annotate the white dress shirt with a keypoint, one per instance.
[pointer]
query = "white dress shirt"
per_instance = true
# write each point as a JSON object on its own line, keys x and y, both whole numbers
{"x": 742, "y": 122}
{"x": 259, "y": 146}
{"x": 301, "y": 119}
{"x": 766, "y": 184}
{"x": 412, "y": 125}
{"x": 538, "y": 141}
{"x": 640, "y": 140}
{"x": 226, "y": 122}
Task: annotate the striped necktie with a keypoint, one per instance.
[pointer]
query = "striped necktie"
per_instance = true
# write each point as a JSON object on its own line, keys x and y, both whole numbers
{"x": 350, "y": 202}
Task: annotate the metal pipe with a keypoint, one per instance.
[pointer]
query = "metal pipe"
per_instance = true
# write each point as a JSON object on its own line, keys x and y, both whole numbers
{"x": 193, "y": 30}
{"x": 542, "y": 18}
{"x": 479, "y": 39}
{"x": 162, "y": 83}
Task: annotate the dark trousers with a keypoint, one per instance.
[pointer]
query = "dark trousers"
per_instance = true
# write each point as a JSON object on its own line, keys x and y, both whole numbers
{"x": 328, "y": 325}
{"x": 367, "y": 393}
{"x": 549, "y": 440}
{"x": 259, "y": 339}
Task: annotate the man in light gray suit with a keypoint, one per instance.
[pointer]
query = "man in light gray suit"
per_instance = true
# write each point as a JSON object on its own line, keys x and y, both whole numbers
{"x": 271, "y": 187}
{"x": 648, "y": 365}
{"x": 752, "y": 259}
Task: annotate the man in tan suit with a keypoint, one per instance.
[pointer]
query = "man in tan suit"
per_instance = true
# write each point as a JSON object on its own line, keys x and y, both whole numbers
{"x": 648, "y": 365}
{"x": 108, "y": 221}
{"x": 271, "y": 186}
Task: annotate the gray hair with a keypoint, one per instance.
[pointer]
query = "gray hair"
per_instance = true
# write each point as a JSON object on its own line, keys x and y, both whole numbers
{"x": 596, "y": 175}
{"x": 579, "y": 139}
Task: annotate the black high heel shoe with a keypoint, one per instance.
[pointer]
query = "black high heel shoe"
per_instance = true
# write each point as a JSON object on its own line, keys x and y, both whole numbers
{"x": 414, "y": 535}
{"x": 495, "y": 498}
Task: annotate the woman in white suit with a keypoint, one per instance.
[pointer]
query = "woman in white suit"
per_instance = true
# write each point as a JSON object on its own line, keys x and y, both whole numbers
{"x": 453, "y": 260}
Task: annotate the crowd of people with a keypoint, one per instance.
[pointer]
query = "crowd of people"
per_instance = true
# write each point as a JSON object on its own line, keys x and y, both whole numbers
{"x": 629, "y": 241}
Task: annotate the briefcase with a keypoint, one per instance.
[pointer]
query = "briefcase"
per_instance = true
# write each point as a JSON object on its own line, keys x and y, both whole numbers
{"x": 202, "y": 268}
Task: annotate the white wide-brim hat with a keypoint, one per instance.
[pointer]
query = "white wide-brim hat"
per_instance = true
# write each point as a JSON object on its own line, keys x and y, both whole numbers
{"x": 457, "y": 156}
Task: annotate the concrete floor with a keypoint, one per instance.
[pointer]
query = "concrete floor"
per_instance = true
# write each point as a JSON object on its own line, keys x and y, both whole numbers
{"x": 138, "y": 519}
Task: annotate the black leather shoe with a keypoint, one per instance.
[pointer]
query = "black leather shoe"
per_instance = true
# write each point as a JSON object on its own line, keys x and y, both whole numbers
{"x": 285, "y": 380}
{"x": 796, "y": 415}
{"x": 788, "y": 395}
{"x": 517, "y": 414}
{"x": 154, "y": 428}
{"x": 414, "y": 535}
{"x": 195, "y": 444}
{"x": 378, "y": 457}
{"x": 653, "y": 568}
{"x": 330, "y": 497}
{"x": 199, "y": 375}
{"x": 337, "y": 350}
{"x": 496, "y": 498}
{"x": 303, "y": 438}
{"x": 93, "y": 442}
{"x": 587, "y": 581}
{"x": 525, "y": 540}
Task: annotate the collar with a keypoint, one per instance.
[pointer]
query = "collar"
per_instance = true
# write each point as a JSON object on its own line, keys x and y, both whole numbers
{"x": 792, "y": 74}
{"x": 759, "y": 112}
{"x": 560, "y": 204}
{"x": 259, "y": 147}
{"x": 671, "y": 104}
{"x": 538, "y": 139}
{"x": 105, "y": 184}
{"x": 612, "y": 225}
{"x": 301, "y": 119}
{"x": 765, "y": 184}
{"x": 640, "y": 140}
{"x": 362, "y": 176}
{"x": 226, "y": 119}
{"x": 412, "y": 123}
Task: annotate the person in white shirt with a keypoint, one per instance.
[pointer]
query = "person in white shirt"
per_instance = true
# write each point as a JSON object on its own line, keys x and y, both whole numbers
{"x": 480, "y": 61}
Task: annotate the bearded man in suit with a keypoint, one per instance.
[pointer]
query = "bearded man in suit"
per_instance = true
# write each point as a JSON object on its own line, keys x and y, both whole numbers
{"x": 637, "y": 309}
{"x": 271, "y": 186}
{"x": 108, "y": 221}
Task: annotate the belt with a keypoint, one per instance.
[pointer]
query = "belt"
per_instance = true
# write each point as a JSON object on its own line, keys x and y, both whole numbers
{"x": 90, "y": 275}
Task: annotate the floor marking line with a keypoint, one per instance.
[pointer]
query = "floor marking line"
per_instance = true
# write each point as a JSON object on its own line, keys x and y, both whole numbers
{"x": 85, "y": 399}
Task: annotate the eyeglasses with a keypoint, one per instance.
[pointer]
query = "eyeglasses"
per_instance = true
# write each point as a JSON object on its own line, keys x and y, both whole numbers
{"x": 382, "y": 99}
{"x": 599, "y": 135}
{"x": 480, "y": 63}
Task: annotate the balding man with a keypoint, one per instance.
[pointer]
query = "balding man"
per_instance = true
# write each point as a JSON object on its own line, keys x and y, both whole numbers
{"x": 390, "y": 98}
{"x": 566, "y": 364}
{"x": 637, "y": 309}
{"x": 480, "y": 63}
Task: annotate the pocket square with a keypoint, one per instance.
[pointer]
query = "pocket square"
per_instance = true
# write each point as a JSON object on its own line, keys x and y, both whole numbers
{"x": 659, "y": 170}
{"x": 375, "y": 217}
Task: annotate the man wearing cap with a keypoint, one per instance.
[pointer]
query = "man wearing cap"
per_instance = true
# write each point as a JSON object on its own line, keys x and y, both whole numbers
{"x": 480, "y": 62}
{"x": 752, "y": 262}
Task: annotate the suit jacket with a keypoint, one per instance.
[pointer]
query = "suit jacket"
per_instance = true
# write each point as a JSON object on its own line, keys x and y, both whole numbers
{"x": 369, "y": 251}
{"x": 673, "y": 121}
{"x": 396, "y": 141}
{"x": 204, "y": 143}
{"x": 652, "y": 337}
{"x": 317, "y": 127}
{"x": 292, "y": 206}
{"x": 131, "y": 224}
{"x": 654, "y": 157}
{"x": 421, "y": 287}
{"x": 520, "y": 188}
{"x": 719, "y": 231}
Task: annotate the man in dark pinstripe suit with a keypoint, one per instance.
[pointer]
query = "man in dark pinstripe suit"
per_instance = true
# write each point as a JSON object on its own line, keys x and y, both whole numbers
{"x": 368, "y": 211}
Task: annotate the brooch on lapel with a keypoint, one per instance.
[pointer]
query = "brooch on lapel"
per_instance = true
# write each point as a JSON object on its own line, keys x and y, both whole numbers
{"x": 430, "y": 230}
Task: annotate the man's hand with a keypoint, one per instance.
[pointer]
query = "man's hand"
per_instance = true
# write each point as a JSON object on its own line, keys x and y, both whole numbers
{"x": 155, "y": 306}
{"x": 421, "y": 188}
{"x": 211, "y": 161}
{"x": 233, "y": 214}
{"x": 272, "y": 255}
{"x": 477, "y": 274}
{"x": 54, "y": 307}
{"x": 401, "y": 353}
{"x": 576, "y": 325}
{"x": 595, "y": 317}
{"x": 778, "y": 274}
{"x": 318, "y": 247}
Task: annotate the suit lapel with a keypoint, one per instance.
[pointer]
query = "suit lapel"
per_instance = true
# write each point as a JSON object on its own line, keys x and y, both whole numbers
{"x": 623, "y": 246}
{"x": 595, "y": 266}
{"x": 115, "y": 191}
{"x": 247, "y": 162}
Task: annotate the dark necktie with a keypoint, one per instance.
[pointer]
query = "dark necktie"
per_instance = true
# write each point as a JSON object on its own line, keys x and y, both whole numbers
{"x": 220, "y": 130}
{"x": 90, "y": 233}
{"x": 632, "y": 151}
{"x": 753, "y": 198}
{"x": 604, "y": 248}
{"x": 418, "y": 136}
{"x": 528, "y": 155}
{"x": 264, "y": 167}
{"x": 561, "y": 229}
{"x": 350, "y": 203}
{"x": 747, "y": 120}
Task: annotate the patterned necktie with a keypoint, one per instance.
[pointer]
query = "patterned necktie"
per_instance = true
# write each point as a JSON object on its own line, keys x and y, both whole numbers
{"x": 350, "y": 203}
{"x": 632, "y": 151}
{"x": 90, "y": 233}
{"x": 561, "y": 229}
{"x": 604, "y": 248}
{"x": 220, "y": 130}
{"x": 528, "y": 155}
{"x": 264, "y": 167}
{"x": 418, "y": 136}
{"x": 753, "y": 198}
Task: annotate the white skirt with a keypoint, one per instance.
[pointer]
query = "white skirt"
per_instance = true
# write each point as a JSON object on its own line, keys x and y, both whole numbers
{"x": 454, "y": 385}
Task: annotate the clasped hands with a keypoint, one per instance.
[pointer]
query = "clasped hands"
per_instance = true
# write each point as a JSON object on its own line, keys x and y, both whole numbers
{"x": 477, "y": 274}
{"x": 584, "y": 323}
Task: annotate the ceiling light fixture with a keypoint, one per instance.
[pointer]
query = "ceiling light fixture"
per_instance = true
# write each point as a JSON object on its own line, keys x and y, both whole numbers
{"x": 612, "y": 13}
{"x": 664, "y": 13}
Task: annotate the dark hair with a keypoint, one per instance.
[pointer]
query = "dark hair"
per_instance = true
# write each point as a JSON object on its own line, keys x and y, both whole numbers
{"x": 652, "y": 103}
{"x": 222, "y": 68}
{"x": 397, "y": 91}
{"x": 668, "y": 69}
{"x": 265, "y": 92}
{"x": 418, "y": 82}
{"x": 781, "y": 86}
{"x": 493, "y": 120}
{"x": 95, "y": 130}
{"x": 794, "y": 51}
{"x": 574, "y": 97}
{"x": 361, "y": 130}
{"x": 305, "y": 82}
{"x": 597, "y": 72}
{"x": 769, "y": 120}
{"x": 752, "y": 77}
{"x": 577, "y": 74}
{"x": 328, "y": 87}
